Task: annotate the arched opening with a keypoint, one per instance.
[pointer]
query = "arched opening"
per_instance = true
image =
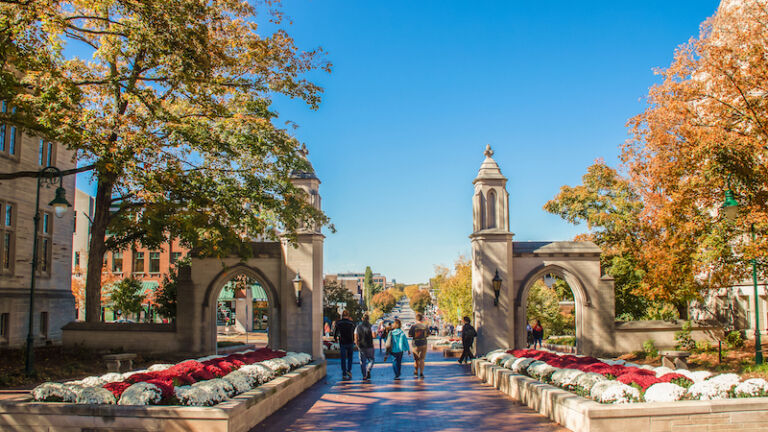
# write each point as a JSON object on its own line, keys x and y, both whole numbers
{"x": 556, "y": 297}
{"x": 242, "y": 307}
{"x": 491, "y": 209}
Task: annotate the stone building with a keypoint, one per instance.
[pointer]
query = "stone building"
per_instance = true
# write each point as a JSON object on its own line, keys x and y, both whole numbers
{"x": 54, "y": 303}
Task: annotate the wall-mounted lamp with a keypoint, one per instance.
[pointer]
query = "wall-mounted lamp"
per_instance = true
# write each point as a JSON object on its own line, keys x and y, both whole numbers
{"x": 496, "y": 288}
{"x": 297, "y": 284}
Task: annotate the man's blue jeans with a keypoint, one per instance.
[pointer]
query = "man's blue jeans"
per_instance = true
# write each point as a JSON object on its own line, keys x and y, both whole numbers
{"x": 397, "y": 362}
{"x": 367, "y": 358}
{"x": 346, "y": 352}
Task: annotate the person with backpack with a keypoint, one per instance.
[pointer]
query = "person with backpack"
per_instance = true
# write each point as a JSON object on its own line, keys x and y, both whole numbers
{"x": 397, "y": 344}
{"x": 468, "y": 334}
{"x": 538, "y": 334}
{"x": 344, "y": 335}
{"x": 364, "y": 342}
{"x": 419, "y": 333}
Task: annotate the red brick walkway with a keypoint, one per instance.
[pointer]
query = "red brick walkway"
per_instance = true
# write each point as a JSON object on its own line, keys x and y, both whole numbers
{"x": 448, "y": 399}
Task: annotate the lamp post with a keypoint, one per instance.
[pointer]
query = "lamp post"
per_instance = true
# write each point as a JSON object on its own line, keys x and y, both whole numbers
{"x": 730, "y": 208}
{"x": 297, "y": 283}
{"x": 47, "y": 176}
{"x": 496, "y": 287}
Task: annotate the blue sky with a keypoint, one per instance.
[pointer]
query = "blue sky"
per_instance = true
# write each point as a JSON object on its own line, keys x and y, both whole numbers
{"x": 419, "y": 88}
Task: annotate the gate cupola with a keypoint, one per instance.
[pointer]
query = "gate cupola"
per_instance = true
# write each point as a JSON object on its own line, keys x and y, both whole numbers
{"x": 491, "y": 199}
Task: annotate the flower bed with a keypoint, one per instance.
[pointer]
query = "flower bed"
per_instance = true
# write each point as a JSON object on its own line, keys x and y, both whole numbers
{"x": 616, "y": 382}
{"x": 205, "y": 381}
{"x": 448, "y": 343}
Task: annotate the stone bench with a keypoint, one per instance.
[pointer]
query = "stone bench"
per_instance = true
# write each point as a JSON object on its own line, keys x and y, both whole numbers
{"x": 115, "y": 362}
{"x": 674, "y": 359}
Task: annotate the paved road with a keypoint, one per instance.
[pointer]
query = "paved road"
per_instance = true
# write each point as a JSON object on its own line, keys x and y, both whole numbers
{"x": 448, "y": 399}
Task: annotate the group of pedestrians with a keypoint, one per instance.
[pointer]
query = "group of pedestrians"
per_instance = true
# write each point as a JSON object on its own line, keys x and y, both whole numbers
{"x": 534, "y": 334}
{"x": 395, "y": 342}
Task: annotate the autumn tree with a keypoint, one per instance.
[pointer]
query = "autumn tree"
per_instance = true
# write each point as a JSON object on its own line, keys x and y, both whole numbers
{"x": 334, "y": 295}
{"x": 170, "y": 106}
{"x": 543, "y": 304}
{"x": 410, "y": 290}
{"x": 384, "y": 301}
{"x": 454, "y": 290}
{"x": 420, "y": 300}
{"x": 706, "y": 122}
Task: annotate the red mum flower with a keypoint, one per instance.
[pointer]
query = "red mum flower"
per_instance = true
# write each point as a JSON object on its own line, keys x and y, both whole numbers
{"x": 117, "y": 388}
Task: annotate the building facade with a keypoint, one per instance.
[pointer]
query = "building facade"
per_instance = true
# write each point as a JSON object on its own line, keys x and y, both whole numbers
{"x": 355, "y": 282}
{"x": 54, "y": 303}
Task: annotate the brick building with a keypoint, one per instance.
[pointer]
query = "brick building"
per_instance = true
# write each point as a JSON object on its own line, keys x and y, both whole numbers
{"x": 54, "y": 303}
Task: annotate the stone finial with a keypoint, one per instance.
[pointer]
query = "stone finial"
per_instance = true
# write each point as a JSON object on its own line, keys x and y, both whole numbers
{"x": 488, "y": 152}
{"x": 303, "y": 151}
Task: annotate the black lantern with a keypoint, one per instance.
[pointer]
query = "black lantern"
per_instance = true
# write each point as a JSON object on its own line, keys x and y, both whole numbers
{"x": 496, "y": 288}
{"x": 297, "y": 284}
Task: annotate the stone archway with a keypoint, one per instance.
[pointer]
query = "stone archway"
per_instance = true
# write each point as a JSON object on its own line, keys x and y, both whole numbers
{"x": 217, "y": 285}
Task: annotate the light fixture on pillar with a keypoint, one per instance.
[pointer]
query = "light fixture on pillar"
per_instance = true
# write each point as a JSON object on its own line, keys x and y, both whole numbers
{"x": 496, "y": 288}
{"x": 549, "y": 280}
{"x": 297, "y": 284}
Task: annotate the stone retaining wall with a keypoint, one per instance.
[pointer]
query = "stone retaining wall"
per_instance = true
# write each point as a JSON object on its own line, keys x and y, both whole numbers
{"x": 129, "y": 337}
{"x": 238, "y": 414}
{"x": 583, "y": 415}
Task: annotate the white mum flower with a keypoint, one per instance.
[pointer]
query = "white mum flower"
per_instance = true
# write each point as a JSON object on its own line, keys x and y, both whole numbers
{"x": 125, "y": 376}
{"x": 698, "y": 376}
{"x": 664, "y": 392}
{"x": 493, "y": 356}
{"x": 614, "y": 392}
{"x": 278, "y": 365}
{"x": 714, "y": 388}
{"x": 753, "y": 387}
{"x": 195, "y": 396}
{"x": 241, "y": 381}
{"x": 292, "y": 360}
{"x": 509, "y": 362}
{"x": 159, "y": 367}
{"x": 540, "y": 370}
{"x": 111, "y": 377}
{"x": 141, "y": 393}
{"x": 259, "y": 372}
{"x": 95, "y": 396}
{"x": 566, "y": 378}
{"x": 521, "y": 364}
{"x": 502, "y": 359}
{"x": 53, "y": 392}
{"x": 588, "y": 380}
{"x": 662, "y": 370}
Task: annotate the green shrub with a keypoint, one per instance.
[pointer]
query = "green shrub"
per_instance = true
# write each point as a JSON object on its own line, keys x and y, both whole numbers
{"x": 649, "y": 348}
{"x": 735, "y": 339}
{"x": 683, "y": 339}
{"x": 704, "y": 347}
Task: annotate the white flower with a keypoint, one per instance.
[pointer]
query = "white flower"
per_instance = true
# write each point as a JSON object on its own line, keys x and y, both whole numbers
{"x": 141, "y": 393}
{"x": 258, "y": 372}
{"x": 614, "y": 392}
{"x": 241, "y": 381}
{"x": 698, "y": 376}
{"x": 303, "y": 358}
{"x": 509, "y": 362}
{"x": 540, "y": 370}
{"x": 502, "y": 359}
{"x": 159, "y": 367}
{"x": 714, "y": 388}
{"x": 588, "y": 380}
{"x": 496, "y": 351}
{"x": 53, "y": 392}
{"x": 662, "y": 370}
{"x": 664, "y": 392}
{"x": 90, "y": 381}
{"x": 125, "y": 376}
{"x": 195, "y": 396}
{"x": 493, "y": 356}
{"x": 111, "y": 377}
{"x": 278, "y": 365}
{"x": 95, "y": 396}
{"x": 219, "y": 387}
{"x": 566, "y": 378}
{"x": 521, "y": 364}
{"x": 753, "y": 387}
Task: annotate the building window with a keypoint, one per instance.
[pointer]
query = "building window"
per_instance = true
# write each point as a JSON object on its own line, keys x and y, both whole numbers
{"x": 5, "y": 319}
{"x": 117, "y": 262}
{"x": 45, "y": 243}
{"x": 46, "y": 154}
{"x": 154, "y": 262}
{"x": 138, "y": 262}
{"x": 9, "y": 136}
{"x": 44, "y": 324}
{"x": 175, "y": 256}
{"x": 77, "y": 259}
{"x": 491, "y": 216}
{"x": 8, "y": 236}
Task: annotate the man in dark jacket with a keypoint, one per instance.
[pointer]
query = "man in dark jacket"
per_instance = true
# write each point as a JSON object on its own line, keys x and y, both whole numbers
{"x": 468, "y": 334}
{"x": 364, "y": 341}
{"x": 344, "y": 334}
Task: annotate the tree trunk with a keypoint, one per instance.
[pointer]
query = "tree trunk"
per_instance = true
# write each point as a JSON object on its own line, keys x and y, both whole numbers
{"x": 97, "y": 249}
{"x": 682, "y": 310}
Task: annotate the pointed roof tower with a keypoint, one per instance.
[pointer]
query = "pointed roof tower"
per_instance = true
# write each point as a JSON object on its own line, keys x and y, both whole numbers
{"x": 489, "y": 169}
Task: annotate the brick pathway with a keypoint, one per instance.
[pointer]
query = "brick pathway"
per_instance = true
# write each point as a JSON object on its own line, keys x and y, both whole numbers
{"x": 448, "y": 399}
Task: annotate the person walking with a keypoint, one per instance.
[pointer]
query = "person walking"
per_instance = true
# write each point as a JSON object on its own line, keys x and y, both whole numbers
{"x": 364, "y": 342}
{"x": 383, "y": 333}
{"x": 528, "y": 335}
{"x": 538, "y": 334}
{"x": 419, "y": 333}
{"x": 467, "y": 339}
{"x": 397, "y": 344}
{"x": 344, "y": 335}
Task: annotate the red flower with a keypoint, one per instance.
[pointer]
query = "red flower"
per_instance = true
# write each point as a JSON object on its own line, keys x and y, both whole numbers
{"x": 117, "y": 388}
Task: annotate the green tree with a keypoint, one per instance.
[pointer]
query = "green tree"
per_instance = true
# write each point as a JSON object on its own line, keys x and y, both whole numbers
{"x": 334, "y": 295}
{"x": 543, "y": 305}
{"x": 126, "y": 296}
{"x": 167, "y": 297}
{"x": 171, "y": 108}
{"x": 368, "y": 286}
{"x": 454, "y": 291}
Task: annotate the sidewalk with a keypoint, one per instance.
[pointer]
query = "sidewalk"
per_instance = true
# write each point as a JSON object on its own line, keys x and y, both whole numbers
{"x": 447, "y": 399}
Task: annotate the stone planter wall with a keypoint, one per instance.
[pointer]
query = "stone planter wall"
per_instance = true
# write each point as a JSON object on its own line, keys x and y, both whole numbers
{"x": 238, "y": 414}
{"x": 583, "y": 415}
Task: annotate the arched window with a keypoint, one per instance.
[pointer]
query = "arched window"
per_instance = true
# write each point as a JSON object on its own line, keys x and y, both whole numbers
{"x": 491, "y": 209}
{"x": 482, "y": 211}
